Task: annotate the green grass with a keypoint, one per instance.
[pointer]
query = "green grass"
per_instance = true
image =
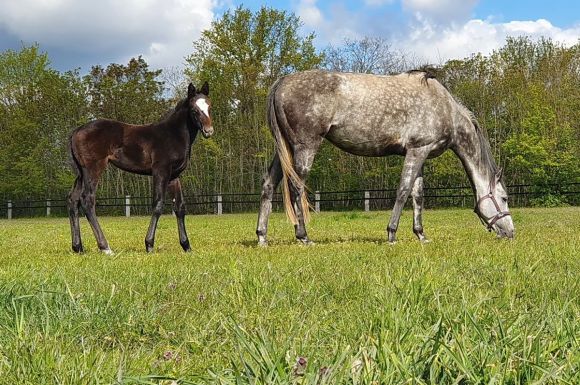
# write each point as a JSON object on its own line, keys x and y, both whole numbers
{"x": 464, "y": 309}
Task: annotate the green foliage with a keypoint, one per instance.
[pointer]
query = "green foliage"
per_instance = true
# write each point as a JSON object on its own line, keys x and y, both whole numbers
{"x": 464, "y": 308}
{"x": 241, "y": 55}
{"x": 38, "y": 108}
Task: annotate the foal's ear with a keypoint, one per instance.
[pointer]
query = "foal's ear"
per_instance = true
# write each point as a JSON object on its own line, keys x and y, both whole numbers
{"x": 205, "y": 89}
{"x": 191, "y": 91}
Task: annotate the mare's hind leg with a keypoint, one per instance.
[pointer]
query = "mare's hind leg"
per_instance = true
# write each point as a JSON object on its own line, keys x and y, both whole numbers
{"x": 417, "y": 194}
{"x": 411, "y": 168}
{"x": 303, "y": 159}
{"x": 160, "y": 180}
{"x": 73, "y": 201}
{"x": 179, "y": 210}
{"x": 90, "y": 181}
{"x": 271, "y": 180}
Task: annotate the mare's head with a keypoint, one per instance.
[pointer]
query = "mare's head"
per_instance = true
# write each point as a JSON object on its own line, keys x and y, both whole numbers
{"x": 199, "y": 108}
{"x": 492, "y": 208}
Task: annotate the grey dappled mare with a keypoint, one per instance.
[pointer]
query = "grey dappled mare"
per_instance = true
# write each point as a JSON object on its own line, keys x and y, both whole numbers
{"x": 409, "y": 114}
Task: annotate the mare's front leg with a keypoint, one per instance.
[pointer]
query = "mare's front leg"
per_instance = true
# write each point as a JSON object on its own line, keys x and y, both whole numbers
{"x": 160, "y": 180}
{"x": 417, "y": 194}
{"x": 179, "y": 210}
{"x": 411, "y": 168}
{"x": 271, "y": 180}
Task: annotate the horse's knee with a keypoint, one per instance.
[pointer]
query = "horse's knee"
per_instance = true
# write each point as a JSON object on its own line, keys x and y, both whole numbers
{"x": 158, "y": 208}
{"x": 267, "y": 187}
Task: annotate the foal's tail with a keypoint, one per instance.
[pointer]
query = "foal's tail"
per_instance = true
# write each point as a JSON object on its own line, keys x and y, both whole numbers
{"x": 286, "y": 159}
{"x": 76, "y": 166}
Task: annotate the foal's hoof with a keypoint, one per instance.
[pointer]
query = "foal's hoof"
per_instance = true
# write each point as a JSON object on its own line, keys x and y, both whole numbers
{"x": 306, "y": 241}
{"x": 262, "y": 243}
{"x": 149, "y": 249}
{"x": 107, "y": 252}
{"x": 78, "y": 249}
{"x": 185, "y": 246}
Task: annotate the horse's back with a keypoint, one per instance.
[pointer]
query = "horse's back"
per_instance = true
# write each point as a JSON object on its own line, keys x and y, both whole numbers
{"x": 366, "y": 114}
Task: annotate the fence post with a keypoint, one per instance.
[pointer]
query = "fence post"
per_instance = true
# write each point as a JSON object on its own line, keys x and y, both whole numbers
{"x": 367, "y": 201}
{"x": 48, "y": 207}
{"x": 317, "y": 201}
{"x": 127, "y": 206}
{"x": 219, "y": 205}
{"x": 9, "y": 214}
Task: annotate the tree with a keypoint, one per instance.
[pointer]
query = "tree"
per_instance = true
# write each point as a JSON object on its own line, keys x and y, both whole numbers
{"x": 373, "y": 55}
{"x": 38, "y": 108}
{"x": 241, "y": 55}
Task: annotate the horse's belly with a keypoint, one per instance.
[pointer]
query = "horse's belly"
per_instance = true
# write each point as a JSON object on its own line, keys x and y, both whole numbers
{"x": 365, "y": 142}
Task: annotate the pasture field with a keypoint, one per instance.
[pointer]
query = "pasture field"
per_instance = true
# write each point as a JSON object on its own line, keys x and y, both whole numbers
{"x": 466, "y": 308}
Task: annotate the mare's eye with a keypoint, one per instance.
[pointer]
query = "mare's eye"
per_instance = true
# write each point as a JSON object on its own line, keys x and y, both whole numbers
{"x": 504, "y": 199}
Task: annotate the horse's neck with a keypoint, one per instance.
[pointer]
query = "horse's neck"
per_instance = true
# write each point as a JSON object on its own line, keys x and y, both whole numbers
{"x": 179, "y": 121}
{"x": 478, "y": 172}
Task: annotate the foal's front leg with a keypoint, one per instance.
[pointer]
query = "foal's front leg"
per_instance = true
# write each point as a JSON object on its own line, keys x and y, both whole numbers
{"x": 411, "y": 168}
{"x": 160, "y": 180}
{"x": 179, "y": 210}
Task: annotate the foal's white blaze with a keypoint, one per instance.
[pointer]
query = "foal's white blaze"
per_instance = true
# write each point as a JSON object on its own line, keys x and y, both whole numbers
{"x": 203, "y": 106}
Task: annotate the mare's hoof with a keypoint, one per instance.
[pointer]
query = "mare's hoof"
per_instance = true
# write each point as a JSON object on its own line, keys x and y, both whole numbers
{"x": 263, "y": 243}
{"x": 149, "y": 249}
{"x": 107, "y": 252}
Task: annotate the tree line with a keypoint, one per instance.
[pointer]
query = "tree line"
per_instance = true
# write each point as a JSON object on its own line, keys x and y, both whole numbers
{"x": 526, "y": 95}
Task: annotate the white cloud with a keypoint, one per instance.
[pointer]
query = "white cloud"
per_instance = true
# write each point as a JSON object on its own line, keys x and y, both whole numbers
{"x": 309, "y": 13}
{"x": 376, "y": 3}
{"x": 440, "y": 11}
{"x": 160, "y": 30}
{"x": 478, "y": 36}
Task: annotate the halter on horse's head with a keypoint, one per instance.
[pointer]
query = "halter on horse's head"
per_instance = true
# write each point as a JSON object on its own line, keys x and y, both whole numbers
{"x": 496, "y": 212}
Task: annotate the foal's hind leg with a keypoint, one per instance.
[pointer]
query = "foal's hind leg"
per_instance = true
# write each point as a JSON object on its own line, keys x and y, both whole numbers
{"x": 179, "y": 210}
{"x": 271, "y": 180}
{"x": 417, "y": 194}
{"x": 411, "y": 168}
{"x": 73, "y": 202}
{"x": 303, "y": 159}
{"x": 90, "y": 181}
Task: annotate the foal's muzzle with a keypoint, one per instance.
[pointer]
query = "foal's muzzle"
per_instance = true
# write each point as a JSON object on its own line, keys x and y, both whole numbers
{"x": 207, "y": 131}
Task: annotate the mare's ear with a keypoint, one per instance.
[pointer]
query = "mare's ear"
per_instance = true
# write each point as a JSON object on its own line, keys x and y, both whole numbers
{"x": 205, "y": 89}
{"x": 191, "y": 91}
{"x": 499, "y": 174}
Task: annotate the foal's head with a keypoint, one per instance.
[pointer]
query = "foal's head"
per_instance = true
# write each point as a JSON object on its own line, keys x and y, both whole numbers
{"x": 199, "y": 108}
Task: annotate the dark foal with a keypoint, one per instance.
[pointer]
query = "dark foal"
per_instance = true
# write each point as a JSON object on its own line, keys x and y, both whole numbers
{"x": 160, "y": 150}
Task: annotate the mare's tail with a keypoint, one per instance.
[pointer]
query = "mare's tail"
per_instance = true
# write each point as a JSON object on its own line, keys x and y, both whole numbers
{"x": 286, "y": 159}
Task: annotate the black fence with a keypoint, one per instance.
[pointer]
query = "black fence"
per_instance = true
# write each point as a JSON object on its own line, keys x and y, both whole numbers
{"x": 435, "y": 197}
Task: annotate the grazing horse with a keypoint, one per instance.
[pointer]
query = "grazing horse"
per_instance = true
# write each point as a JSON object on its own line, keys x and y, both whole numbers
{"x": 161, "y": 150}
{"x": 410, "y": 114}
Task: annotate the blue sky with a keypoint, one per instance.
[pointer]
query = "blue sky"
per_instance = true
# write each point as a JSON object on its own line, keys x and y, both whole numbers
{"x": 79, "y": 33}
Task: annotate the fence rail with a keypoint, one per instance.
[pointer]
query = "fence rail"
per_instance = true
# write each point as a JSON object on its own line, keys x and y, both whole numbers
{"x": 370, "y": 199}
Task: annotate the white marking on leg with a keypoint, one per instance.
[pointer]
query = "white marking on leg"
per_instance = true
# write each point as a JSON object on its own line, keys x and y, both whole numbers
{"x": 108, "y": 252}
{"x": 203, "y": 106}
